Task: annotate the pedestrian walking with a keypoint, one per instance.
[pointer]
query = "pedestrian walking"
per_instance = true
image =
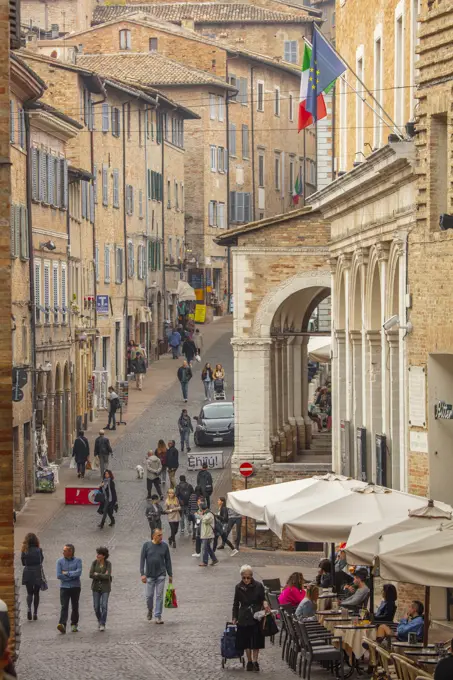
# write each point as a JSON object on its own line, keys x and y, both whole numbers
{"x": 102, "y": 449}
{"x": 204, "y": 481}
{"x": 172, "y": 462}
{"x": 199, "y": 341}
{"x": 207, "y": 535}
{"x": 184, "y": 491}
{"x": 155, "y": 564}
{"x": 173, "y": 512}
{"x": 101, "y": 585}
{"x": 110, "y": 500}
{"x": 185, "y": 428}
{"x": 184, "y": 376}
{"x": 69, "y": 571}
{"x": 131, "y": 350}
{"x": 153, "y": 471}
{"x": 201, "y": 502}
{"x": 81, "y": 453}
{"x": 139, "y": 368}
{"x": 222, "y": 525}
{"x": 189, "y": 350}
{"x": 219, "y": 372}
{"x": 235, "y": 520}
{"x": 33, "y": 575}
{"x": 114, "y": 404}
{"x": 175, "y": 342}
{"x": 207, "y": 376}
{"x": 193, "y": 509}
{"x": 154, "y": 513}
{"x": 161, "y": 453}
{"x": 249, "y": 598}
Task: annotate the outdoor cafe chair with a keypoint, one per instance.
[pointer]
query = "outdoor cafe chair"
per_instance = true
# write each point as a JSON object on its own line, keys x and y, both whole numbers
{"x": 273, "y": 585}
{"x": 405, "y": 670}
{"x": 329, "y": 653}
{"x": 283, "y": 628}
{"x": 385, "y": 661}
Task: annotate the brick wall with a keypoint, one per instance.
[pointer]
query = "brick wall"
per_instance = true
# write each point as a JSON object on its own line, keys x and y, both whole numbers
{"x": 70, "y": 15}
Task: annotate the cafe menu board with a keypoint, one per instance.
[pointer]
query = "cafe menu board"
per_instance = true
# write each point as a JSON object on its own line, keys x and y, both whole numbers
{"x": 122, "y": 390}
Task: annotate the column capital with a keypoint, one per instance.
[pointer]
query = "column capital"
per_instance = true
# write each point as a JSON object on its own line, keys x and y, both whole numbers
{"x": 333, "y": 263}
{"x": 356, "y": 337}
{"x": 393, "y": 337}
{"x": 374, "y": 337}
{"x": 362, "y": 255}
{"x": 345, "y": 260}
{"x": 383, "y": 250}
{"x": 251, "y": 343}
{"x": 399, "y": 241}
{"x": 340, "y": 336}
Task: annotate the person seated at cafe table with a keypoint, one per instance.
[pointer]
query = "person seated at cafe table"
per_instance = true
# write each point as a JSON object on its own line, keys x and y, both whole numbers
{"x": 387, "y": 608}
{"x": 360, "y": 597}
{"x": 293, "y": 593}
{"x": 413, "y": 623}
{"x": 444, "y": 669}
{"x": 307, "y": 608}
{"x": 324, "y": 578}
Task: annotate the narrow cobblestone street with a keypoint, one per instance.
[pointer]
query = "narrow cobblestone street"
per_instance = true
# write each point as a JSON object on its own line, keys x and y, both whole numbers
{"x": 188, "y": 644}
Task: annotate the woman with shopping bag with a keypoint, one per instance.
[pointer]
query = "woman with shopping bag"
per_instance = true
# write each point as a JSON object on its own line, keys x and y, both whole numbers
{"x": 249, "y": 599}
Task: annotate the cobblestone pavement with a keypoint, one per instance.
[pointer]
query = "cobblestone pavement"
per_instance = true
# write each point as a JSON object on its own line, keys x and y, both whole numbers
{"x": 188, "y": 644}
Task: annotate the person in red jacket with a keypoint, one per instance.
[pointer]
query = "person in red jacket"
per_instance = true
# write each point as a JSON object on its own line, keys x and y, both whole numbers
{"x": 293, "y": 593}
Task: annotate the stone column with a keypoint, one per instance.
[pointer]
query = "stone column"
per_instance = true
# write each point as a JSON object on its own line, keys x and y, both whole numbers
{"x": 393, "y": 441}
{"x": 357, "y": 416}
{"x": 304, "y": 389}
{"x": 346, "y": 388}
{"x": 291, "y": 380}
{"x": 339, "y": 403}
{"x": 50, "y": 417}
{"x": 57, "y": 428}
{"x": 273, "y": 424}
{"x": 279, "y": 382}
{"x": 297, "y": 393}
{"x": 375, "y": 399}
{"x": 286, "y": 430}
{"x": 382, "y": 250}
{"x": 252, "y": 390}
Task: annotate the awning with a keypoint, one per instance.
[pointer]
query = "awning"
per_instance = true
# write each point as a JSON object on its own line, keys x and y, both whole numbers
{"x": 319, "y": 349}
{"x": 185, "y": 292}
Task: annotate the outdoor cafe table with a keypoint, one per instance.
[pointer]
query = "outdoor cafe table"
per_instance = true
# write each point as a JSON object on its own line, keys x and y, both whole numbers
{"x": 353, "y": 636}
{"x": 325, "y": 615}
{"x": 421, "y": 652}
{"x": 325, "y": 600}
{"x": 333, "y": 622}
{"x": 399, "y": 645}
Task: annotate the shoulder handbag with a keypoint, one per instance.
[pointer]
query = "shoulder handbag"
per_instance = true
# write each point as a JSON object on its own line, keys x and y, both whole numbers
{"x": 269, "y": 624}
{"x": 43, "y": 585}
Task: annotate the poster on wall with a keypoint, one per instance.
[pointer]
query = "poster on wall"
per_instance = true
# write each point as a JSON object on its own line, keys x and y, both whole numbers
{"x": 417, "y": 396}
{"x": 200, "y": 313}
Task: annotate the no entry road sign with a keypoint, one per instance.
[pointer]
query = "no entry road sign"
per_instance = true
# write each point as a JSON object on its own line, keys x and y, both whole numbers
{"x": 246, "y": 469}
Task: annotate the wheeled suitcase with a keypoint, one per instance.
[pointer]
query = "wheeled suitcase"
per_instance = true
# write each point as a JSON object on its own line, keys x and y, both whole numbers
{"x": 228, "y": 645}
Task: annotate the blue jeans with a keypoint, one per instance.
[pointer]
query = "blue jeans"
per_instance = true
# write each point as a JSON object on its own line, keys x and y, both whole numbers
{"x": 185, "y": 438}
{"x": 100, "y": 604}
{"x": 185, "y": 390}
{"x": 175, "y": 352}
{"x": 155, "y": 585}
{"x": 207, "y": 550}
{"x": 184, "y": 517}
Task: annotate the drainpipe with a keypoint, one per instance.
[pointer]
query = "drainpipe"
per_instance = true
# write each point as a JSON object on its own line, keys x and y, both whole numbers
{"x": 164, "y": 282}
{"x": 252, "y": 69}
{"x": 227, "y": 147}
{"x": 126, "y": 274}
{"x": 101, "y": 101}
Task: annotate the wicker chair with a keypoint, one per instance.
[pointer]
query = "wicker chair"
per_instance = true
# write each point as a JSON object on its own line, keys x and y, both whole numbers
{"x": 385, "y": 661}
{"x": 405, "y": 670}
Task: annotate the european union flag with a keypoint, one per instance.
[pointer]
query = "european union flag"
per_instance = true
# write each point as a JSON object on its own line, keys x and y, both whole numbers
{"x": 325, "y": 68}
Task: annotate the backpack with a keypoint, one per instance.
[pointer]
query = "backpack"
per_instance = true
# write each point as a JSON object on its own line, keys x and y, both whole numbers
{"x": 185, "y": 492}
{"x": 115, "y": 403}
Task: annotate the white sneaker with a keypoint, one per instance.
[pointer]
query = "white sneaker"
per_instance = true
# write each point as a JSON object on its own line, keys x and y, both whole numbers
{"x": 102, "y": 628}
{"x": 234, "y": 552}
{"x": 196, "y": 555}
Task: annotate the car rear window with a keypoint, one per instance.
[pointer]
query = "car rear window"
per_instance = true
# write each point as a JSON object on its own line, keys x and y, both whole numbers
{"x": 218, "y": 411}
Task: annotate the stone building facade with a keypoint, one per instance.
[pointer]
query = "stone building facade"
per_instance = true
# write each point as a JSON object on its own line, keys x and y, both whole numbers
{"x": 61, "y": 16}
{"x": 429, "y": 346}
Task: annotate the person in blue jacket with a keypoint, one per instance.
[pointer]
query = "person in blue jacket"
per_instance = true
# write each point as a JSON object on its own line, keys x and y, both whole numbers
{"x": 69, "y": 571}
{"x": 413, "y": 623}
{"x": 175, "y": 341}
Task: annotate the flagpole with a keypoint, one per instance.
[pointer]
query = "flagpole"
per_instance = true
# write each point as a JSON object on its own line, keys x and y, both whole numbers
{"x": 394, "y": 125}
{"x": 386, "y": 123}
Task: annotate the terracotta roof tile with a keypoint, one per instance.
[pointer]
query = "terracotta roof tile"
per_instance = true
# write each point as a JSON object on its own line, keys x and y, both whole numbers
{"x": 151, "y": 69}
{"x": 202, "y": 12}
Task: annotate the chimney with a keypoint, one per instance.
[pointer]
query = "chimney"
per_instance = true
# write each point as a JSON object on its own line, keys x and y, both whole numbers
{"x": 32, "y": 41}
{"x": 188, "y": 23}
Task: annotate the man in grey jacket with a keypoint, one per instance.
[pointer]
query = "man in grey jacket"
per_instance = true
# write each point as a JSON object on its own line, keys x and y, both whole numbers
{"x": 155, "y": 564}
{"x": 103, "y": 449}
{"x": 360, "y": 597}
{"x": 153, "y": 470}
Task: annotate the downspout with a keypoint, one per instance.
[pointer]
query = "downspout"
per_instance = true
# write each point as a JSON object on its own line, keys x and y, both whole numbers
{"x": 126, "y": 274}
{"x": 164, "y": 282}
{"x": 101, "y": 101}
{"x": 253, "y": 143}
{"x": 31, "y": 266}
{"x": 227, "y": 147}
{"x": 334, "y": 101}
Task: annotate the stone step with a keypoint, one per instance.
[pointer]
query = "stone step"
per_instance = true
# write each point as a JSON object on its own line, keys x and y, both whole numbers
{"x": 316, "y": 452}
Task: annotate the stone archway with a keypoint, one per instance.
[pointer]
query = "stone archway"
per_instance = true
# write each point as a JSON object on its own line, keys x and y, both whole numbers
{"x": 66, "y": 412}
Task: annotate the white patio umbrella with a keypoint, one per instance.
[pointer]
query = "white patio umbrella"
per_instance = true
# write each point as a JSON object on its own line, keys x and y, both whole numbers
{"x": 363, "y": 542}
{"x": 331, "y": 519}
{"x": 319, "y": 349}
{"x": 422, "y": 556}
{"x": 252, "y": 502}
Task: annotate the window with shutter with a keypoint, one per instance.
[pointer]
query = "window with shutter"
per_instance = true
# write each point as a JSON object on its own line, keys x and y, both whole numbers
{"x": 12, "y": 126}
{"x": 290, "y": 51}
{"x": 221, "y": 215}
{"x": 287, "y": 50}
{"x": 17, "y": 231}
{"x": 213, "y": 158}
{"x": 245, "y": 141}
{"x": 232, "y": 140}
{"x": 105, "y": 117}
{"x": 168, "y": 194}
{"x": 116, "y": 125}
{"x": 58, "y": 183}
{"x": 176, "y": 196}
{"x": 291, "y": 107}
{"x": 247, "y": 207}
{"x": 277, "y": 101}
{"x": 84, "y": 200}
{"x": 55, "y": 285}
{"x": 260, "y": 96}
{"x": 12, "y": 229}
{"x": 22, "y": 140}
{"x": 43, "y": 176}
{"x": 140, "y": 204}
{"x": 212, "y": 106}
{"x": 239, "y": 206}
{"x": 125, "y": 39}
{"x": 50, "y": 184}
{"x": 91, "y": 191}
{"x": 34, "y": 174}
{"x": 211, "y": 214}
{"x": 221, "y": 102}
{"x": 95, "y": 184}
{"x": 64, "y": 294}
{"x": 105, "y": 189}
{"x": 261, "y": 170}
{"x": 291, "y": 177}
{"x": 130, "y": 260}
{"x": 38, "y": 291}
{"x": 243, "y": 91}
{"x": 96, "y": 261}
{"x": 182, "y": 196}
{"x": 47, "y": 292}
{"x": 65, "y": 184}
{"x": 153, "y": 44}
{"x": 132, "y": 200}
{"x": 106, "y": 264}
{"x": 277, "y": 172}
{"x": 24, "y": 245}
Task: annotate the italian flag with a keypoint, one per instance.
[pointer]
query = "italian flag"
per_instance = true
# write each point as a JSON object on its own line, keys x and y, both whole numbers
{"x": 298, "y": 189}
{"x": 305, "y": 118}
